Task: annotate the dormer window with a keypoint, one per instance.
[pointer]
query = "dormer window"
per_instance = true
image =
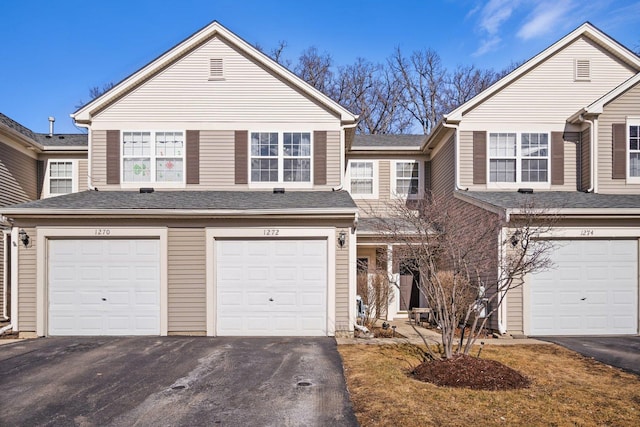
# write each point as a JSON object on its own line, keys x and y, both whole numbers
{"x": 583, "y": 70}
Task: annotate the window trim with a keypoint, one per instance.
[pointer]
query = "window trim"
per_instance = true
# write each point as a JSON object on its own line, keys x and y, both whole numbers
{"x": 152, "y": 163}
{"x": 46, "y": 187}
{"x": 518, "y": 183}
{"x": 281, "y": 157}
{"x": 630, "y": 121}
{"x": 394, "y": 179}
{"x": 375, "y": 188}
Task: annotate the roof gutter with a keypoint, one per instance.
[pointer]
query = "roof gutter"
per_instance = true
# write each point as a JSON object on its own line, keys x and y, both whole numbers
{"x": 44, "y": 212}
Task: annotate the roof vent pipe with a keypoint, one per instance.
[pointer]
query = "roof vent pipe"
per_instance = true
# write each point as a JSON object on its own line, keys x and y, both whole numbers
{"x": 51, "y": 120}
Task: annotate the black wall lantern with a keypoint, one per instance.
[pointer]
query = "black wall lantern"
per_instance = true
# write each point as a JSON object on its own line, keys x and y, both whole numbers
{"x": 342, "y": 238}
{"x": 24, "y": 237}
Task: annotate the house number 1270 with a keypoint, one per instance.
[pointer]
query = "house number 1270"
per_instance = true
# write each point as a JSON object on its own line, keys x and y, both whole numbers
{"x": 102, "y": 232}
{"x": 271, "y": 232}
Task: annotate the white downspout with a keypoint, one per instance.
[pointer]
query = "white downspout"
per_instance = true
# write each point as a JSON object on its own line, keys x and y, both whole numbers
{"x": 592, "y": 153}
{"x": 457, "y": 150}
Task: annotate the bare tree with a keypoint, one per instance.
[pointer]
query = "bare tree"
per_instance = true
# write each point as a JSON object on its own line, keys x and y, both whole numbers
{"x": 424, "y": 80}
{"x": 315, "y": 68}
{"x": 453, "y": 246}
{"x": 464, "y": 83}
{"x": 95, "y": 92}
{"x": 371, "y": 91}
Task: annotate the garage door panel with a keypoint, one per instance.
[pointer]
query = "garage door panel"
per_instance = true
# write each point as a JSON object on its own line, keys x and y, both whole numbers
{"x": 594, "y": 283}
{"x": 104, "y": 287}
{"x": 276, "y": 278}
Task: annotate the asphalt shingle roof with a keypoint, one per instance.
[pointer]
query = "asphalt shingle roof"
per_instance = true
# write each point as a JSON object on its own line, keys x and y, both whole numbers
{"x": 57, "y": 140}
{"x": 556, "y": 199}
{"x": 63, "y": 140}
{"x": 16, "y": 126}
{"x": 391, "y": 141}
{"x": 196, "y": 200}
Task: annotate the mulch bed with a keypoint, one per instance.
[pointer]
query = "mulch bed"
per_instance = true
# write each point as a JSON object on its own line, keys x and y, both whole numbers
{"x": 470, "y": 372}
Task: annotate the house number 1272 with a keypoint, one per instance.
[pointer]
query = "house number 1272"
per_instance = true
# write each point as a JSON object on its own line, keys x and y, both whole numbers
{"x": 271, "y": 232}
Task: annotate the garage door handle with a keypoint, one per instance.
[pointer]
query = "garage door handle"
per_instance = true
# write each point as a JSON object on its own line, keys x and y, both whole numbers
{"x": 270, "y": 299}
{"x": 582, "y": 299}
{"x": 104, "y": 299}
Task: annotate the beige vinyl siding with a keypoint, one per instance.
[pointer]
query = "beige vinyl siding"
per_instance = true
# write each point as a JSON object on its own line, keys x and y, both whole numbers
{"x": 585, "y": 159}
{"x": 217, "y": 161}
{"x": 98, "y": 156}
{"x": 371, "y": 207}
{"x": 524, "y": 102}
{"x": 334, "y": 147}
{"x": 515, "y": 311}
{"x": 466, "y": 165}
{"x": 342, "y": 285}
{"x": 27, "y": 283}
{"x": 247, "y": 93}
{"x": 570, "y": 168}
{"x": 18, "y": 176}
{"x": 186, "y": 280}
{"x": 443, "y": 166}
{"x": 628, "y": 104}
{"x": 83, "y": 174}
{"x": 465, "y": 139}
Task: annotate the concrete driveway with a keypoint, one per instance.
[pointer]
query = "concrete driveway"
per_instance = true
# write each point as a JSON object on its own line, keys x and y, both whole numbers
{"x": 173, "y": 381}
{"x": 620, "y": 351}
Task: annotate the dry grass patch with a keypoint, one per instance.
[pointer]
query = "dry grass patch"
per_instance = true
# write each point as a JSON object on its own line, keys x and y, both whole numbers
{"x": 566, "y": 389}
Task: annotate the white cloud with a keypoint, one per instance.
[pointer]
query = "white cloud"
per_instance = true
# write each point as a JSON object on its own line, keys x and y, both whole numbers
{"x": 495, "y": 13}
{"x": 545, "y": 18}
{"x": 487, "y": 45}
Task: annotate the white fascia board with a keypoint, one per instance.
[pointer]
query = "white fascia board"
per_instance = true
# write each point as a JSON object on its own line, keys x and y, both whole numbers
{"x": 21, "y": 138}
{"x": 585, "y": 29}
{"x": 85, "y": 114}
{"x": 598, "y": 106}
{"x": 479, "y": 203}
{"x": 360, "y": 148}
{"x": 599, "y": 212}
{"x": 66, "y": 149}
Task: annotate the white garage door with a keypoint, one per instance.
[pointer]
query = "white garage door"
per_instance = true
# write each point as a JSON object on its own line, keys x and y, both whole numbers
{"x": 271, "y": 287}
{"x": 104, "y": 287}
{"x": 593, "y": 290}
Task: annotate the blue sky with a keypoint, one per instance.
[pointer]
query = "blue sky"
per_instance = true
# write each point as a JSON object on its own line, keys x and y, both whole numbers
{"x": 52, "y": 52}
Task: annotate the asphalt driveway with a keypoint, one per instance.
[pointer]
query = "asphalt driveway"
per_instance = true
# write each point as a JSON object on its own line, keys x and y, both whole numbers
{"x": 173, "y": 381}
{"x": 620, "y": 351}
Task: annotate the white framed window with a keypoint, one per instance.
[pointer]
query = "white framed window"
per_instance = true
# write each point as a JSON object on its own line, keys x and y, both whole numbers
{"x": 362, "y": 179}
{"x": 405, "y": 179}
{"x": 60, "y": 177}
{"x": 280, "y": 157}
{"x": 518, "y": 158}
{"x": 633, "y": 148}
{"x": 153, "y": 157}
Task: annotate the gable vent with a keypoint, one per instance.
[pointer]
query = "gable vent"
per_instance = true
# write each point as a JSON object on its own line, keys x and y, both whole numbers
{"x": 583, "y": 69}
{"x": 215, "y": 68}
